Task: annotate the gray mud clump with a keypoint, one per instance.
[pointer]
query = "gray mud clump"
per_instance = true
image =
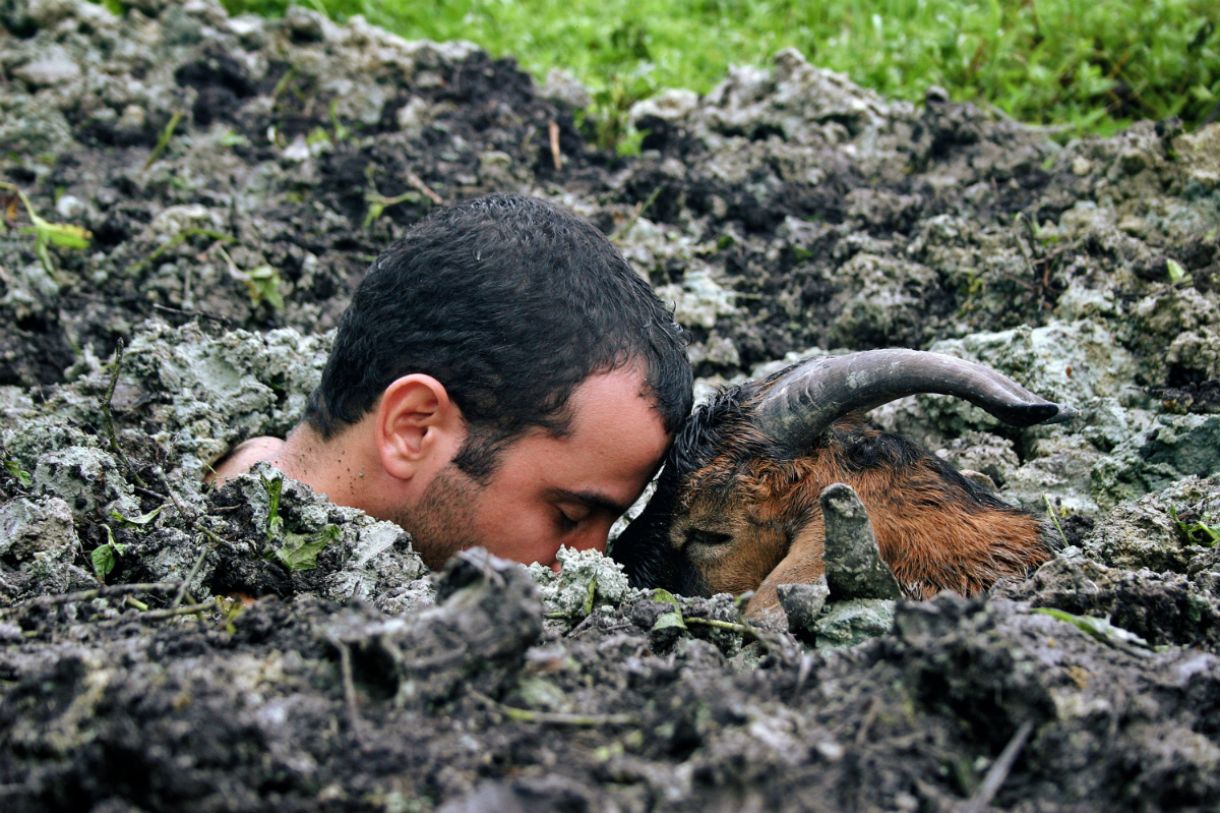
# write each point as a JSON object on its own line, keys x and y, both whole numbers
{"x": 164, "y": 645}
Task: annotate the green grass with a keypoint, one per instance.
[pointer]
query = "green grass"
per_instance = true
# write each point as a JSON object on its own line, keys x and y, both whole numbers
{"x": 1085, "y": 65}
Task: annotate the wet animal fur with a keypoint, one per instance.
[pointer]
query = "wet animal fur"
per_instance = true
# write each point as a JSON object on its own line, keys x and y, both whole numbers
{"x": 733, "y": 512}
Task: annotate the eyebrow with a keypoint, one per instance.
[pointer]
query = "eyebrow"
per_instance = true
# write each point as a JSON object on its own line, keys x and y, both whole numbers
{"x": 593, "y": 499}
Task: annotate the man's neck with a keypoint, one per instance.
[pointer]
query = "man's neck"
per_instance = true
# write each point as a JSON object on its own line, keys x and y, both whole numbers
{"x": 329, "y": 466}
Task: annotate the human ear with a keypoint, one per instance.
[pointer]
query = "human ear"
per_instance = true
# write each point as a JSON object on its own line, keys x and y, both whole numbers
{"x": 416, "y": 426}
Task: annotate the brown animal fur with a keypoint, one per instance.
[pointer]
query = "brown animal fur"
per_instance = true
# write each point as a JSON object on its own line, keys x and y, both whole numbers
{"x": 758, "y": 525}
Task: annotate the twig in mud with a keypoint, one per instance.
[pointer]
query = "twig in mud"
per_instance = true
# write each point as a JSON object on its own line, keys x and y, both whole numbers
{"x": 637, "y": 214}
{"x": 527, "y": 139}
{"x": 213, "y": 537}
{"x": 870, "y": 716}
{"x": 552, "y": 129}
{"x": 190, "y": 609}
{"x": 108, "y": 417}
{"x": 196, "y": 314}
{"x": 802, "y": 675}
{"x": 999, "y": 771}
{"x": 730, "y": 626}
{"x": 418, "y": 184}
{"x": 553, "y": 717}
{"x": 1050, "y": 511}
{"x": 187, "y": 580}
{"x": 156, "y": 495}
{"x": 349, "y": 689}
{"x": 106, "y": 591}
{"x": 581, "y": 629}
{"x": 169, "y": 490}
{"x": 581, "y": 626}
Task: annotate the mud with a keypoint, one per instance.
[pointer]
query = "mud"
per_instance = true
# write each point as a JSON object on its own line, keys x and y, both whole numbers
{"x": 257, "y": 647}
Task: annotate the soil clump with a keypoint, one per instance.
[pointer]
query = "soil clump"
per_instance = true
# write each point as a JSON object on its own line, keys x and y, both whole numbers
{"x": 168, "y": 646}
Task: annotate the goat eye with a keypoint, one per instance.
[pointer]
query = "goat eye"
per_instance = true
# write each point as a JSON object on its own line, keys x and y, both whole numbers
{"x": 698, "y": 536}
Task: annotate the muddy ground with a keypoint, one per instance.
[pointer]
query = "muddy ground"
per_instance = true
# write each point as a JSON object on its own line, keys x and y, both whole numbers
{"x": 258, "y": 648}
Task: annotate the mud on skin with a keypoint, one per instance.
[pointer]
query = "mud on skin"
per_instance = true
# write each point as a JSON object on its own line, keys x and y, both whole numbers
{"x": 258, "y": 647}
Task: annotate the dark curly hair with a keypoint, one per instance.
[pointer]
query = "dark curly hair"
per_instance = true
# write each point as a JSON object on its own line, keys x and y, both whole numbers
{"x": 510, "y": 302}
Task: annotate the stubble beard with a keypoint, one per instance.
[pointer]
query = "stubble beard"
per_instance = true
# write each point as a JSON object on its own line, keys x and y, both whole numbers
{"x": 442, "y": 522}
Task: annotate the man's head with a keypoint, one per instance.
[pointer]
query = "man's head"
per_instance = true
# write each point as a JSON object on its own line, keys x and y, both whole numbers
{"x": 498, "y": 325}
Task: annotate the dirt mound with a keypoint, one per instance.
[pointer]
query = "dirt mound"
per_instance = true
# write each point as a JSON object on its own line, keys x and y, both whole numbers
{"x": 259, "y": 647}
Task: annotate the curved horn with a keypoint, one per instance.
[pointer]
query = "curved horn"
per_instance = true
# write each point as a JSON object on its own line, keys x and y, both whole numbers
{"x": 802, "y": 403}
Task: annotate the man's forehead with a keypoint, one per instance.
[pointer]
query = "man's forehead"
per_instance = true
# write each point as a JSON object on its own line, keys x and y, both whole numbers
{"x": 615, "y": 442}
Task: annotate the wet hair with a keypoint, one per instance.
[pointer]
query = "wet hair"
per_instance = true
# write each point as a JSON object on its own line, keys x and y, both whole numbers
{"x": 510, "y": 302}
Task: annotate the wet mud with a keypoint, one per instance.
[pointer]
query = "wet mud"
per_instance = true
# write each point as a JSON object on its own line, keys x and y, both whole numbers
{"x": 167, "y": 646}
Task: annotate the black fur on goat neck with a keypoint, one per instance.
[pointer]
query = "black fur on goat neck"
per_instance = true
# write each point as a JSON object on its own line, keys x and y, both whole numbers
{"x": 715, "y": 429}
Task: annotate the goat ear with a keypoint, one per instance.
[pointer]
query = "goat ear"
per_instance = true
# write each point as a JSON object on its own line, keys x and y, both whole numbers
{"x": 802, "y": 565}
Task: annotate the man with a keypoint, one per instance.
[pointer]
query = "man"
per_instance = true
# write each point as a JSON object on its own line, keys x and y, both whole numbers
{"x": 501, "y": 378}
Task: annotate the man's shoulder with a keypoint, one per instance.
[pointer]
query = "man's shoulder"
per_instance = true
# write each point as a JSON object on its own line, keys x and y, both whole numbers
{"x": 243, "y": 457}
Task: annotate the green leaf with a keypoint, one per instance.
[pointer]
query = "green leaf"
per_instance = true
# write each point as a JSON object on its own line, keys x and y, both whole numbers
{"x": 14, "y": 468}
{"x": 664, "y": 596}
{"x": 317, "y": 136}
{"x": 669, "y": 620}
{"x": 105, "y": 555}
{"x": 103, "y": 558}
{"x": 1176, "y": 272}
{"x": 263, "y": 285}
{"x": 587, "y": 607}
{"x": 300, "y": 551}
{"x": 1099, "y": 629}
{"x": 1197, "y": 533}
{"x": 64, "y": 235}
{"x": 374, "y": 212}
{"x": 234, "y": 139}
{"x": 141, "y": 520}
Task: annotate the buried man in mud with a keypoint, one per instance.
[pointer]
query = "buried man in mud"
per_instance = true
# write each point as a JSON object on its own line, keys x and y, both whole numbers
{"x": 501, "y": 378}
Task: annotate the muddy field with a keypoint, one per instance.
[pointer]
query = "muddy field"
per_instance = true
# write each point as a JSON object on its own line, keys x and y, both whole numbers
{"x": 258, "y": 648}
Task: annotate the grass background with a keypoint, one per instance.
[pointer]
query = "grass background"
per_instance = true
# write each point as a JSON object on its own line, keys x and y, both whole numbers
{"x": 1085, "y": 66}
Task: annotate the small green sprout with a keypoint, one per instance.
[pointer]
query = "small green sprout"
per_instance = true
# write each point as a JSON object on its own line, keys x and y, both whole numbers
{"x": 230, "y": 609}
{"x": 1100, "y": 629}
{"x": 275, "y": 523}
{"x": 340, "y": 131}
{"x": 163, "y": 140}
{"x": 262, "y": 283}
{"x": 22, "y": 476}
{"x": 587, "y": 607}
{"x": 232, "y": 138}
{"x": 317, "y": 136}
{"x": 1199, "y": 532}
{"x": 300, "y": 551}
{"x": 1054, "y": 516}
{"x": 1175, "y": 270}
{"x": 106, "y": 555}
{"x": 670, "y": 618}
{"x": 177, "y": 240}
{"x": 378, "y": 202}
{"x": 47, "y": 233}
